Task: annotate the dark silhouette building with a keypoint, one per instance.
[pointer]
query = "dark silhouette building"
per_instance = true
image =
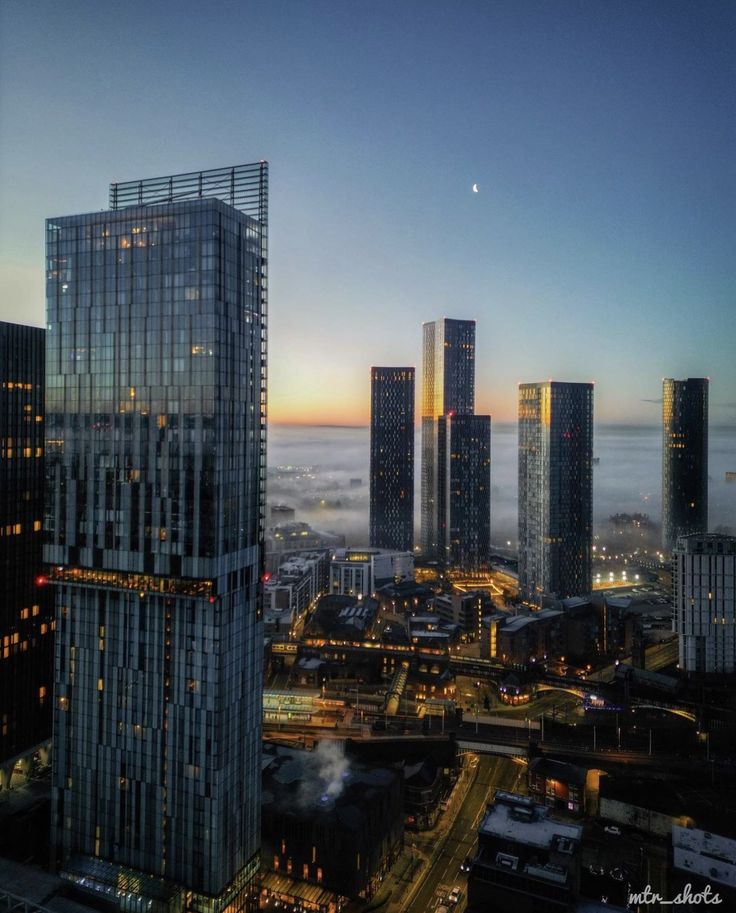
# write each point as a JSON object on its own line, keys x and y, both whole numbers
{"x": 555, "y": 489}
{"x": 330, "y": 819}
{"x": 448, "y": 386}
{"x": 684, "y": 459}
{"x": 464, "y": 491}
{"x": 26, "y": 607}
{"x": 392, "y": 458}
{"x": 156, "y": 430}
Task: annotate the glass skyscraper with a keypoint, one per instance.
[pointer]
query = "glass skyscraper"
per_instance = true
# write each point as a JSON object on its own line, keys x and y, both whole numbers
{"x": 392, "y": 458}
{"x": 464, "y": 491}
{"x": 26, "y": 609}
{"x": 684, "y": 459}
{"x": 156, "y": 431}
{"x": 555, "y": 489}
{"x": 448, "y": 387}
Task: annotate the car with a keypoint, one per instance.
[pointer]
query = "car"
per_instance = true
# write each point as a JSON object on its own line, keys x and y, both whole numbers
{"x": 612, "y": 829}
{"x": 455, "y": 895}
{"x": 596, "y": 870}
{"x": 617, "y": 874}
{"x": 466, "y": 863}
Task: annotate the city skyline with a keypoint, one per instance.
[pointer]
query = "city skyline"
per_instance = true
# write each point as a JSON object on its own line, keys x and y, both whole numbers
{"x": 600, "y": 233}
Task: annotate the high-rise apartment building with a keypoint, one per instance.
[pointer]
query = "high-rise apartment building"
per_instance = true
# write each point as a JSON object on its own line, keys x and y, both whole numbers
{"x": 555, "y": 489}
{"x": 684, "y": 458}
{"x": 448, "y": 386}
{"x": 26, "y": 609}
{"x": 464, "y": 491}
{"x": 704, "y": 581}
{"x": 156, "y": 431}
{"x": 392, "y": 458}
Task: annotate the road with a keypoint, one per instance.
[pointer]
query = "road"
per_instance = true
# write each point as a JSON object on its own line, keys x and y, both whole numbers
{"x": 492, "y": 774}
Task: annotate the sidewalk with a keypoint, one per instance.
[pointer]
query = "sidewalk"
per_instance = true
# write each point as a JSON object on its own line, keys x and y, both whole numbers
{"x": 415, "y": 862}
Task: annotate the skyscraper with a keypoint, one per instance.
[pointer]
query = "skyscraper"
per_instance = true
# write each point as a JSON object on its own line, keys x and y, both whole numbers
{"x": 156, "y": 430}
{"x": 704, "y": 580}
{"x": 392, "y": 458}
{"x": 448, "y": 386}
{"x": 26, "y": 609}
{"x": 684, "y": 458}
{"x": 464, "y": 491}
{"x": 555, "y": 489}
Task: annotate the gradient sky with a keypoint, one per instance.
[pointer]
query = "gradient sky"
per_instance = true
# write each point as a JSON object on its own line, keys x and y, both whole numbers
{"x": 601, "y": 135}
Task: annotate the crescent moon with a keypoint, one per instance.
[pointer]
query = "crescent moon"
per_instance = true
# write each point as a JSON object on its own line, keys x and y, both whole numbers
{"x": 475, "y": 188}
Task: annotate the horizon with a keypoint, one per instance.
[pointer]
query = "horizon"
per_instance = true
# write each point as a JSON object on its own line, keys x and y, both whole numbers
{"x": 598, "y": 242}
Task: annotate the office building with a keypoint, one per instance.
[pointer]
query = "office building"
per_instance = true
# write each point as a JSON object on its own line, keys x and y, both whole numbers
{"x": 448, "y": 386}
{"x": 555, "y": 489}
{"x": 392, "y": 458}
{"x": 684, "y": 459}
{"x": 26, "y": 609}
{"x": 156, "y": 430}
{"x": 704, "y": 579}
{"x": 463, "y": 492}
{"x": 288, "y": 594}
{"x": 361, "y": 571}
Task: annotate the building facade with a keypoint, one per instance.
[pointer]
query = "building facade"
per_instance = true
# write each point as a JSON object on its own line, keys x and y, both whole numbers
{"x": 555, "y": 489}
{"x": 361, "y": 571}
{"x": 392, "y": 458}
{"x": 684, "y": 459}
{"x": 26, "y": 608}
{"x": 156, "y": 430}
{"x": 464, "y": 491}
{"x": 448, "y": 386}
{"x": 704, "y": 578}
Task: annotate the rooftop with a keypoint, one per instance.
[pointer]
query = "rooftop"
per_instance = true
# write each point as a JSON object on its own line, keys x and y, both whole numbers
{"x": 708, "y": 855}
{"x": 521, "y": 820}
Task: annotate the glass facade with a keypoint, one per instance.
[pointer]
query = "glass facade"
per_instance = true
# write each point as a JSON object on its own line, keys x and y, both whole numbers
{"x": 684, "y": 459}
{"x": 464, "y": 491}
{"x": 448, "y": 386}
{"x": 26, "y": 608}
{"x": 704, "y": 582}
{"x": 156, "y": 406}
{"x": 392, "y": 458}
{"x": 555, "y": 489}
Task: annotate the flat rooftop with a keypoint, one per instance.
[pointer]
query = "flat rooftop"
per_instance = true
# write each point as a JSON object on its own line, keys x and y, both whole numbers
{"x": 709, "y": 855}
{"x": 519, "y": 819}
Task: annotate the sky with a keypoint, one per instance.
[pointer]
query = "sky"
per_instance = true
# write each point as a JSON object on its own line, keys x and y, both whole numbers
{"x": 599, "y": 246}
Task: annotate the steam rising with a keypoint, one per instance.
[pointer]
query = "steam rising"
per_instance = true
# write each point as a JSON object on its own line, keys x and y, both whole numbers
{"x": 325, "y": 772}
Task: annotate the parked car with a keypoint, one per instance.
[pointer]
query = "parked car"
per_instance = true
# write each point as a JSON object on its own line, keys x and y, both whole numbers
{"x": 455, "y": 895}
{"x": 596, "y": 870}
{"x": 612, "y": 829}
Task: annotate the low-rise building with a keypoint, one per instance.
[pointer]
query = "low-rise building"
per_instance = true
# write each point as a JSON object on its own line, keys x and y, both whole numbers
{"x": 466, "y": 610}
{"x": 287, "y": 595}
{"x": 533, "y": 635}
{"x": 329, "y": 819}
{"x": 527, "y": 861}
{"x": 704, "y": 861}
{"x": 362, "y": 571}
{"x": 558, "y": 785}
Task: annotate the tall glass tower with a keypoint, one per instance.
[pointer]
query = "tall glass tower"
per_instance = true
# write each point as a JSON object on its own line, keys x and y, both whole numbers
{"x": 464, "y": 491}
{"x": 555, "y": 489}
{"x": 392, "y": 458}
{"x": 26, "y": 609}
{"x": 448, "y": 387}
{"x": 684, "y": 459}
{"x": 156, "y": 433}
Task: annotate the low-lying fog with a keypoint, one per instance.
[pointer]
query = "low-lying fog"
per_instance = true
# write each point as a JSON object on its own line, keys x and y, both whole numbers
{"x": 324, "y": 459}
